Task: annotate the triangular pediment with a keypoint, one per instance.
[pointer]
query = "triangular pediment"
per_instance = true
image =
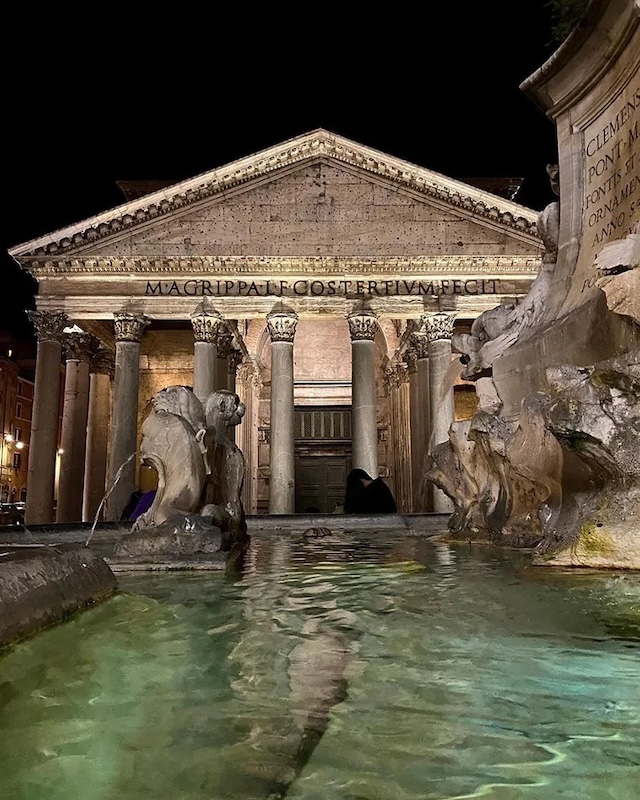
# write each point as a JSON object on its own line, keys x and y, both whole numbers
{"x": 317, "y": 193}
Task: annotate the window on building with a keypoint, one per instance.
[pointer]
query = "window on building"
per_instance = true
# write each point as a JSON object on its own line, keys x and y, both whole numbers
{"x": 17, "y": 460}
{"x": 19, "y": 410}
{"x": 21, "y": 388}
{"x": 17, "y": 434}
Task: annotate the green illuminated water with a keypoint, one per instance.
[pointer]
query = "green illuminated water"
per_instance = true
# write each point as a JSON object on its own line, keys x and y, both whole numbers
{"x": 360, "y": 668}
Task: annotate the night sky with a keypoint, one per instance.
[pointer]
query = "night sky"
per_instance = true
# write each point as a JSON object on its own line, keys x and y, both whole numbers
{"x": 150, "y": 97}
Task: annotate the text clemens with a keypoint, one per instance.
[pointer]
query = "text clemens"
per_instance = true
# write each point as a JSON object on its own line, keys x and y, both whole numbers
{"x": 612, "y": 156}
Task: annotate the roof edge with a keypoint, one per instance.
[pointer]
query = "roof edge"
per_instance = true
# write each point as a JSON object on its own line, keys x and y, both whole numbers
{"x": 317, "y": 143}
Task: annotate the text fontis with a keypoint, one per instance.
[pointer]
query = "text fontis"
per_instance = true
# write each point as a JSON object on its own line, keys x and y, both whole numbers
{"x": 313, "y": 288}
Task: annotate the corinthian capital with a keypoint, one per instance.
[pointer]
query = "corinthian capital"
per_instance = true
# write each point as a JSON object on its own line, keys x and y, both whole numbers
{"x": 420, "y": 342}
{"x": 224, "y": 343}
{"x": 438, "y": 326}
{"x": 362, "y": 326}
{"x": 410, "y": 358}
{"x": 205, "y": 325}
{"x": 102, "y": 362}
{"x": 282, "y": 325}
{"x": 49, "y": 325}
{"x": 79, "y": 346}
{"x": 129, "y": 327}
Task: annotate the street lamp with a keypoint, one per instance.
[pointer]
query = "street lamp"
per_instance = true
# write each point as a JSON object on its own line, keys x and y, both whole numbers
{"x": 5, "y": 472}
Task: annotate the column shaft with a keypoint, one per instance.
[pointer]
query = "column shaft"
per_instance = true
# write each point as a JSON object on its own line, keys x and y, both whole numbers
{"x": 204, "y": 360}
{"x": 73, "y": 441}
{"x": 234, "y": 361}
{"x": 44, "y": 434}
{"x": 124, "y": 428}
{"x": 205, "y": 321}
{"x": 123, "y": 467}
{"x": 282, "y": 453}
{"x": 282, "y": 328}
{"x": 44, "y": 421}
{"x": 442, "y": 412}
{"x": 221, "y": 372}
{"x": 364, "y": 428}
{"x": 415, "y": 416}
{"x": 95, "y": 474}
{"x": 424, "y": 489}
{"x": 442, "y": 409}
{"x": 224, "y": 346}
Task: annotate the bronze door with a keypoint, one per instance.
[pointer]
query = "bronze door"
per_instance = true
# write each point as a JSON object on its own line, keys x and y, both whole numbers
{"x": 320, "y": 483}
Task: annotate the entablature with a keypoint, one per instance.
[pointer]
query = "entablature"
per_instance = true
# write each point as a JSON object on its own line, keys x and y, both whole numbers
{"x": 261, "y": 266}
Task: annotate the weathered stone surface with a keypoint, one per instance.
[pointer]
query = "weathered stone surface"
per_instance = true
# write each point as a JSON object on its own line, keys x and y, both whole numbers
{"x": 619, "y": 261}
{"x": 352, "y": 214}
{"x": 581, "y": 446}
{"x": 504, "y": 478}
{"x": 40, "y": 586}
{"x": 200, "y": 477}
{"x": 565, "y": 477}
{"x": 604, "y": 531}
{"x": 169, "y": 539}
{"x": 623, "y": 293}
{"x": 596, "y": 415}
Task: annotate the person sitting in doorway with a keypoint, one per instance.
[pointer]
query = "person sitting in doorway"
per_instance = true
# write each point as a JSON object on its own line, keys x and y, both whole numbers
{"x": 143, "y": 503}
{"x": 366, "y": 495}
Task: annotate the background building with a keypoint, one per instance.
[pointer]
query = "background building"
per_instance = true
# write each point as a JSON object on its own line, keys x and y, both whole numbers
{"x": 16, "y": 402}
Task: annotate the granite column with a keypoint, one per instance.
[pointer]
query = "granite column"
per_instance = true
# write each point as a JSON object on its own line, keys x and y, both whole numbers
{"x": 43, "y": 444}
{"x": 282, "y": 329}
{"x": 235, "y": 359}
{"x": 439, "y": 329}
{"x": 205, "y": 328}
{"x": 121, "y": 474}
{"x": 423, "y": 382}
{"x": 95, "y": 472}
{"x": 224, "y": 345}
{"x": 415, "y": 424}
{"x": 73, "y": 438}
{"x": 362, "y": 328}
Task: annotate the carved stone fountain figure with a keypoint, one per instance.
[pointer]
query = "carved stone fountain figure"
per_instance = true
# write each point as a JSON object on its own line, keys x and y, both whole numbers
{"x": 172, "y": 443}
{"x": 564, "y": 476}
{"x": 197, "y": 506}
{"x": 222, "y": 495}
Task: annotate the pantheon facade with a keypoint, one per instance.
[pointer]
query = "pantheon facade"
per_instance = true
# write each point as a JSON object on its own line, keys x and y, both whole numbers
{"x": 321, "y": 280}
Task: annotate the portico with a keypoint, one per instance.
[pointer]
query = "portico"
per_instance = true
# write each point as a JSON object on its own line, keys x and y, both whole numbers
{"x": 320, "y": 279}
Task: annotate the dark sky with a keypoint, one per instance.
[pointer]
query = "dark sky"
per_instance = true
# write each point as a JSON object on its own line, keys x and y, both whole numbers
{"x": 125, "y": 96}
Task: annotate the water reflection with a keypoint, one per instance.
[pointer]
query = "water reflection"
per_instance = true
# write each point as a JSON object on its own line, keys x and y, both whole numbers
{"x": 351, "y": 666}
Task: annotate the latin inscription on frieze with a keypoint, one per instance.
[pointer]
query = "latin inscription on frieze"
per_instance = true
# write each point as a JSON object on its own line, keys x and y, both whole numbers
{"x": 315, "y": 288}
{"x": 612, "y": 163}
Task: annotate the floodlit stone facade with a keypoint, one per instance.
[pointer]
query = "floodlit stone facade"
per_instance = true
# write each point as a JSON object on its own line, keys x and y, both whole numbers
{"x": 320, "y": 279}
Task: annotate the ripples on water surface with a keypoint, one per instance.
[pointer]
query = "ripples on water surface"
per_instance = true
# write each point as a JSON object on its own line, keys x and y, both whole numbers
{"x": 359, "y": 668}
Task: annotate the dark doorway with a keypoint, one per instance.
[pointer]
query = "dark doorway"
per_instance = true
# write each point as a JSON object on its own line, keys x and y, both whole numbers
{"x": 320, "y": 482}
{"x": 323, "y": 458}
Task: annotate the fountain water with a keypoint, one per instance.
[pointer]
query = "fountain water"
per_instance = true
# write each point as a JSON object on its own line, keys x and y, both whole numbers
{"x": 106, "y": 497}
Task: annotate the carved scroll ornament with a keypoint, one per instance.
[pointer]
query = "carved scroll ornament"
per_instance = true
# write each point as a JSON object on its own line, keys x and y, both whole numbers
{"x": 129, "y": 327}
{"x": 49, "y": 325}
{"x": 282, "y": 325}
{"x": 362, "y": 326}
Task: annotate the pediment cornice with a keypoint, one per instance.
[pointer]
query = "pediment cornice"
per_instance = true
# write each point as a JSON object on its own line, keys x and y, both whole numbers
{"x": 275, "y": 265}
{"x": 311, "y": 146}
